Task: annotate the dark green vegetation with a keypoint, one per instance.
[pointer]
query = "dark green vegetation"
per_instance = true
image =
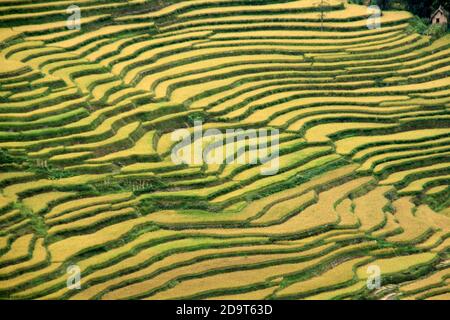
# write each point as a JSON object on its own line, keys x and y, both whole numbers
{"x": 87, "y": 178}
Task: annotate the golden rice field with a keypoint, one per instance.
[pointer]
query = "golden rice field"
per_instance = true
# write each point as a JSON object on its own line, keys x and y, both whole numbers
{"x": 87, "y": 178}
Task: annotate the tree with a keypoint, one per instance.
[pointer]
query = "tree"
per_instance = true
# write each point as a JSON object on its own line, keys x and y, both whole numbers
{"x": 444, "y": 3}
{"x": 421, "y": 8}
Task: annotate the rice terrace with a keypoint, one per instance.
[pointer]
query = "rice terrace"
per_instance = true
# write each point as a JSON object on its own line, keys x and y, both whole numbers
{"x": 223, "y": 149}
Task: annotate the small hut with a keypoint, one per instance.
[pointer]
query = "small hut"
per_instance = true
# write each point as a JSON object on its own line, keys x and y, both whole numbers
{"x": 440, "y": 16}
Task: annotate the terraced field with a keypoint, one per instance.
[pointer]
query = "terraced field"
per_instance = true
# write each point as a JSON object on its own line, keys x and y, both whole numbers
{"x": 86, "y": 179}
